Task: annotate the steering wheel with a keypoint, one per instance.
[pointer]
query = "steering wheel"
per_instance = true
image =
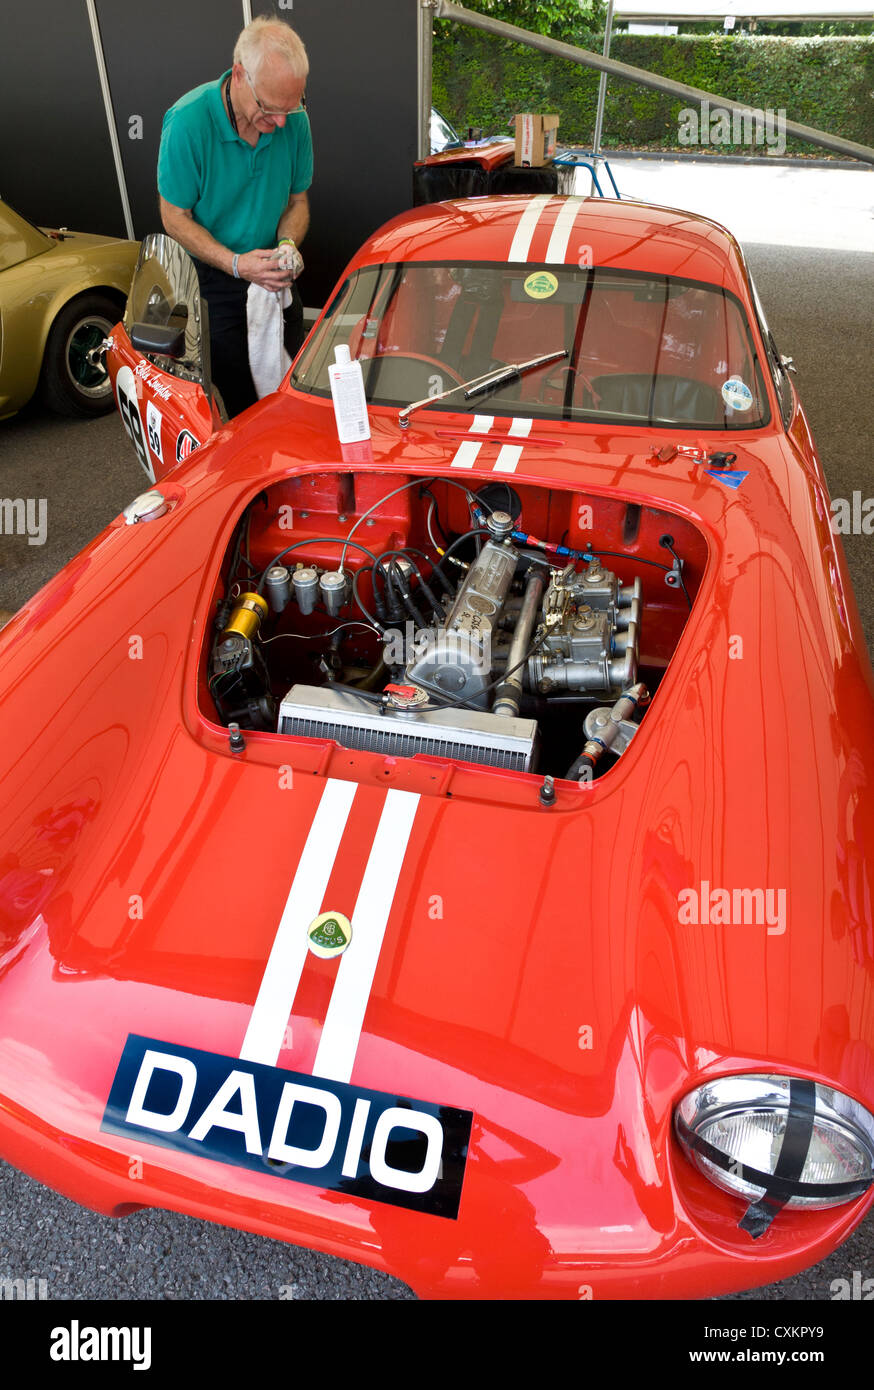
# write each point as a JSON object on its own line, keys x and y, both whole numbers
{"x": 408, "y": 376}
{"x": 555, "y": 381}
{"x": 558, "y": 382}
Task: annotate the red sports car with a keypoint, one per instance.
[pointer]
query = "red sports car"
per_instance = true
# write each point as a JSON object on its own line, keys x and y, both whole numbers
{"x": 452, "y": 850}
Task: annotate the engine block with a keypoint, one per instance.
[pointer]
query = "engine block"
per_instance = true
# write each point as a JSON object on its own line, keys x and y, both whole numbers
{"x": 457, "y": 660}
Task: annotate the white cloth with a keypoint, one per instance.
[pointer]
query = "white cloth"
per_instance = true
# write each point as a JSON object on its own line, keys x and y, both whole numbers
{"x": 268, "y": 359}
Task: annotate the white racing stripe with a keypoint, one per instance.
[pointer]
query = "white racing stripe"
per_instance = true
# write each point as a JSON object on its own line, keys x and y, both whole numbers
{"x": 465, "y": 454}
{"x": 342, "y": 1030}
{"x": 510, "y": 454}
{"x": 508, "y": 458}
{"x": 557, "y": 249}
{"x": 263, "y": 1040}
{"x": 521, "y": 243}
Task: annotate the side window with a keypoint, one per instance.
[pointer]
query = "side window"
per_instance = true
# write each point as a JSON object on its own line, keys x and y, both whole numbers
{"x": 779, "y": 373}
{"x": 781, "y": 380}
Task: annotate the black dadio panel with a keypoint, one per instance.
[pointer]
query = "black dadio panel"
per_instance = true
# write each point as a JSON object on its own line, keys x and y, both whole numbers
{"x": 153, "y": 55}
{"x": 363, "y": 106}
{"x": 56, "y": 164}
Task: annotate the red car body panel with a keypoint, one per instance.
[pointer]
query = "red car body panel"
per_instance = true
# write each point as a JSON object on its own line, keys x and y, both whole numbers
{"x": 145, "y": 866}
{"x": 489, "y": 157}
{"x": 179, "y": 413}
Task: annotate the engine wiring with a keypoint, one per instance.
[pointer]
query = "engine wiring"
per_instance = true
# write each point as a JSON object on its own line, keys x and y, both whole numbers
{"x": 432, "y": 511}
{"x": 374, "y": 621}
{"x": 667, "y": 542}
{"x": 388, "y": 560}
{"x": 214, "y": 680}
{"x": 551, "y": 548}
{"x": 468, "y": 535}
{"x": 413, "y": 482}
{"x": 315, "y": 636}
{"x": 407, "y": 551}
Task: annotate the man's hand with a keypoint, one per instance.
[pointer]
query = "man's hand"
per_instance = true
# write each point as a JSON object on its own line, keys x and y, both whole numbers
{"x": 263, "y": 268}
{"x": 272, "y": 269}
{"x": 295, "y": 220}
{"x": 289, "y": 258}
{"x": 260, "y": 267}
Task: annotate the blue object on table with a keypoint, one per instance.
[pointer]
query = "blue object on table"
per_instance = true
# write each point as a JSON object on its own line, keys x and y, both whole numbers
{"x": 585, "y": 159}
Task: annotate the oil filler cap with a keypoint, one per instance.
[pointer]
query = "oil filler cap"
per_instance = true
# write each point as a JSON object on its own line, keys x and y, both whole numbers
{"x": 147, "y": 507}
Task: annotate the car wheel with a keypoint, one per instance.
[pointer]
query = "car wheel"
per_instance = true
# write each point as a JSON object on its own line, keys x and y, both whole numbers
{"x": 70, "y": 384}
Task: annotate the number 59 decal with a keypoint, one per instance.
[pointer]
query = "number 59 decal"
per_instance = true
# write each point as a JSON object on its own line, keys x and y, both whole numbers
{"x": 153, "y": 428}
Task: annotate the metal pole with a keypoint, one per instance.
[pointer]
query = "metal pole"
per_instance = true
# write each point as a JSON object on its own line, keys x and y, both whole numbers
{"x": 602, "y": 97}
{"x": 426, "y": 26}
{"x": 446, "y": 10}
{"x": 110, "y": 116}
{"x": 602, "y": 85}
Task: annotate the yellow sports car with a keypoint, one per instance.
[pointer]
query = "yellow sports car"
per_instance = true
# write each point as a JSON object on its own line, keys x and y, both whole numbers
{"x": 60, "y": 294}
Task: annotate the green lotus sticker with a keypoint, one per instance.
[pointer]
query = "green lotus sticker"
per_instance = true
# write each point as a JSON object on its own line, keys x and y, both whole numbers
{"x": 541, "y": 285}
{"x": 329, "y": 935}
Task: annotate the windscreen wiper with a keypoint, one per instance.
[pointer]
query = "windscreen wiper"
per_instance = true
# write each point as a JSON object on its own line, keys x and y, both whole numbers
{"x": 481, "y": 385}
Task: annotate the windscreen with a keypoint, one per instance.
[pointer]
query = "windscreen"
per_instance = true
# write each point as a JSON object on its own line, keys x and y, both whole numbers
{"x": 641, "y": 349}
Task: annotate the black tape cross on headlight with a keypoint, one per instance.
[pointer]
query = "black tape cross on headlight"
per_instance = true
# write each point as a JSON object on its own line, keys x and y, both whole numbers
{"x": 791, "y": 1160}
{"x": 784, "y": 1183}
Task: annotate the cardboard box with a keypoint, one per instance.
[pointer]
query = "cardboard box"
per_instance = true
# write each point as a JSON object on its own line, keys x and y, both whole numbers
{"x": 535, "y": 139}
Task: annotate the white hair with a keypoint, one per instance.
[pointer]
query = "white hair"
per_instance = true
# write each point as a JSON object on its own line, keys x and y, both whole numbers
{"x": 266, "y": 36}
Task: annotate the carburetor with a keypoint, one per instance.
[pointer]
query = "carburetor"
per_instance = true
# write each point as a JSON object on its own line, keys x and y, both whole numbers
{"x": 590, "y": 633}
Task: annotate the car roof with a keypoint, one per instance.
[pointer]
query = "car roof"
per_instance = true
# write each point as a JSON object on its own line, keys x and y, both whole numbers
{"x": 555, "y": 229}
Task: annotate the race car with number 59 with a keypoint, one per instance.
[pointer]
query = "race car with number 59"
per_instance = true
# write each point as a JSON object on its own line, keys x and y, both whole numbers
{"x": 452, "y": 850}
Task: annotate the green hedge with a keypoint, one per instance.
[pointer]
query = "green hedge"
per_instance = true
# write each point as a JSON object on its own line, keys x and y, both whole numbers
{"x": 824, "y": 82}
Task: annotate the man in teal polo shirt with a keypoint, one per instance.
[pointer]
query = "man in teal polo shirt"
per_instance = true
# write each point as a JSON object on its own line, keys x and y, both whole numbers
{"x": 235, "y": 163}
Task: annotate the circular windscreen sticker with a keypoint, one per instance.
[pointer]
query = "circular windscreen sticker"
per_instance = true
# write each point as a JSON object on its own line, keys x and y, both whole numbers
{"x": 737, "y": 394}
{"x": 541, "y": 285}
{"x": 329, "y": 935}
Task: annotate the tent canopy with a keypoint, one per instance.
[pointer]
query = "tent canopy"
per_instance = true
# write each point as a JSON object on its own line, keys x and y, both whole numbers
{"x": 789, "y": 10}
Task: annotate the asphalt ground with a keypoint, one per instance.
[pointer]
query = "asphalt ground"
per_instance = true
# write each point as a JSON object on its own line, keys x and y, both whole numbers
{"x": 819, "y": 303}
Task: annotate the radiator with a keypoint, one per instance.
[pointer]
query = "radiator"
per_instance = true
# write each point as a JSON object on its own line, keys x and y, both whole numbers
{"x": 468, "y": 736}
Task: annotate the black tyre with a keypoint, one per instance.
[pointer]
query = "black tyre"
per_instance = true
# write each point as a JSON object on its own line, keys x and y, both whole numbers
{"x": 70, "y": 384}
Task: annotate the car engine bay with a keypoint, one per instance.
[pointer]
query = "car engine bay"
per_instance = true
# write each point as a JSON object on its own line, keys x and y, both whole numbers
{"x": 505, "y": 625}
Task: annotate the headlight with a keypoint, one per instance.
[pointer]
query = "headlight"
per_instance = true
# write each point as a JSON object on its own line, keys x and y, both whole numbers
{"x": 804, "y": 1144}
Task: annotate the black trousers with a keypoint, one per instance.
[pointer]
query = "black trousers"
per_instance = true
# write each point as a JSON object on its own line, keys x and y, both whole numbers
{"x": 228, "y": 340}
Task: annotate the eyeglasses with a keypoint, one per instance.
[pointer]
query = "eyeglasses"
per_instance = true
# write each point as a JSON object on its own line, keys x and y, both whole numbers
{"x": 268, "y": 111}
